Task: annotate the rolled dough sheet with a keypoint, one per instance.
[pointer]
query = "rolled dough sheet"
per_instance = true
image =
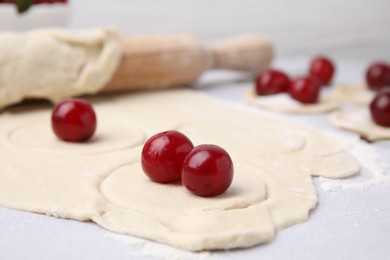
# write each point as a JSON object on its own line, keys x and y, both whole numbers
{"x": 284, "y": 103}
{"x": 359, "y": 121}
{"x": 80, "y": 62}
{"x": 102, "y": 180}
{"x": 358, "y": 94}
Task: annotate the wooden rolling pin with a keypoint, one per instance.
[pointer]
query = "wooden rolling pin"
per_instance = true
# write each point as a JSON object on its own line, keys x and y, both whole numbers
{"x": 178, "y": 60}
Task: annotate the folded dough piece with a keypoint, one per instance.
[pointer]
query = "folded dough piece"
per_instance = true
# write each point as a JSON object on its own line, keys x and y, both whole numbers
{"x": 56, "y": 63}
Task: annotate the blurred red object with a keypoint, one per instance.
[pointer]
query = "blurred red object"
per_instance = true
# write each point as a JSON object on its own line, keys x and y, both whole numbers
{"x": 23, "y": 5}
{"x": 34, "y": 2}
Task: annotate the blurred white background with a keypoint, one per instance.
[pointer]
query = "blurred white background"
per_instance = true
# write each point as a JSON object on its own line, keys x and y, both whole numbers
{"x": 357, "y": 29}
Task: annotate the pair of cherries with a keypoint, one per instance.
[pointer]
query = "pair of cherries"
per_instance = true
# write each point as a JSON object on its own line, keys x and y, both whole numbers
{"x": 378, "y": 79}
{"x": 305, "y": 89}
{"x": 205, "y": 170}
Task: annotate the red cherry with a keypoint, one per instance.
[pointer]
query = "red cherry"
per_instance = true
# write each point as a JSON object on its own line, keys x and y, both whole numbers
{"x": 207, "y": 171}
{"x": 271, "y": 81}
{"x": 73, "y": 120}
{"x": 378, "y": 75}
{"x": 163, "y": 156}
{"x": 43, "y": 1}
{"x": 37, "y": 1}
{"x": 323, "y": 69}
{"x": 50, "y": 1}
{"x": 305, "y": 89}
{"x": 380, "y": 108}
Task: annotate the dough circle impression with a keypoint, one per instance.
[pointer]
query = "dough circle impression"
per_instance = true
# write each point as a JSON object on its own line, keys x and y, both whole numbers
{"x": 272, "y": 188}
{"x": 284, "y": 103}
{"x": 358, "y": 94}
{"x": 109, "y": 137}
{"x": 359, "y": 121}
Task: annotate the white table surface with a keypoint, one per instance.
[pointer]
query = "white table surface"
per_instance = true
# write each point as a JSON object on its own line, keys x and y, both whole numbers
{"x": 348, "y": 28}
{"x": 346, "y": 224}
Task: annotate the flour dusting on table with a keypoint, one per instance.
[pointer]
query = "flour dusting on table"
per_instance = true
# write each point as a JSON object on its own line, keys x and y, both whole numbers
{"x": 147, "y": 248}
{"x": 368, "y": 156}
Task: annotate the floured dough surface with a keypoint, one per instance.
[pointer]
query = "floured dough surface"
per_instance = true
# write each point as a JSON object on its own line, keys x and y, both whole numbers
{"x": 56, "y": 63}
{"x": 359, "y": 121}
{"x": 358, "y": 94}
{"x": 284, "y": 103}
{"x": 102, "y": 180}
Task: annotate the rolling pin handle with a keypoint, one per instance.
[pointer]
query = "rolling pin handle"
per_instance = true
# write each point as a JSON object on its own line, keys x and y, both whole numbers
{"x": 250, "y": 52}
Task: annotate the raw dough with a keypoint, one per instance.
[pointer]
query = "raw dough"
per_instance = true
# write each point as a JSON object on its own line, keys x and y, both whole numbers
{"x": 358, "y": 94}
{"x": 359, "y": 121}
{"x": 284, "y": 103}
{"x": 80, "y": 63}
{"x": 103, "y": 181}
